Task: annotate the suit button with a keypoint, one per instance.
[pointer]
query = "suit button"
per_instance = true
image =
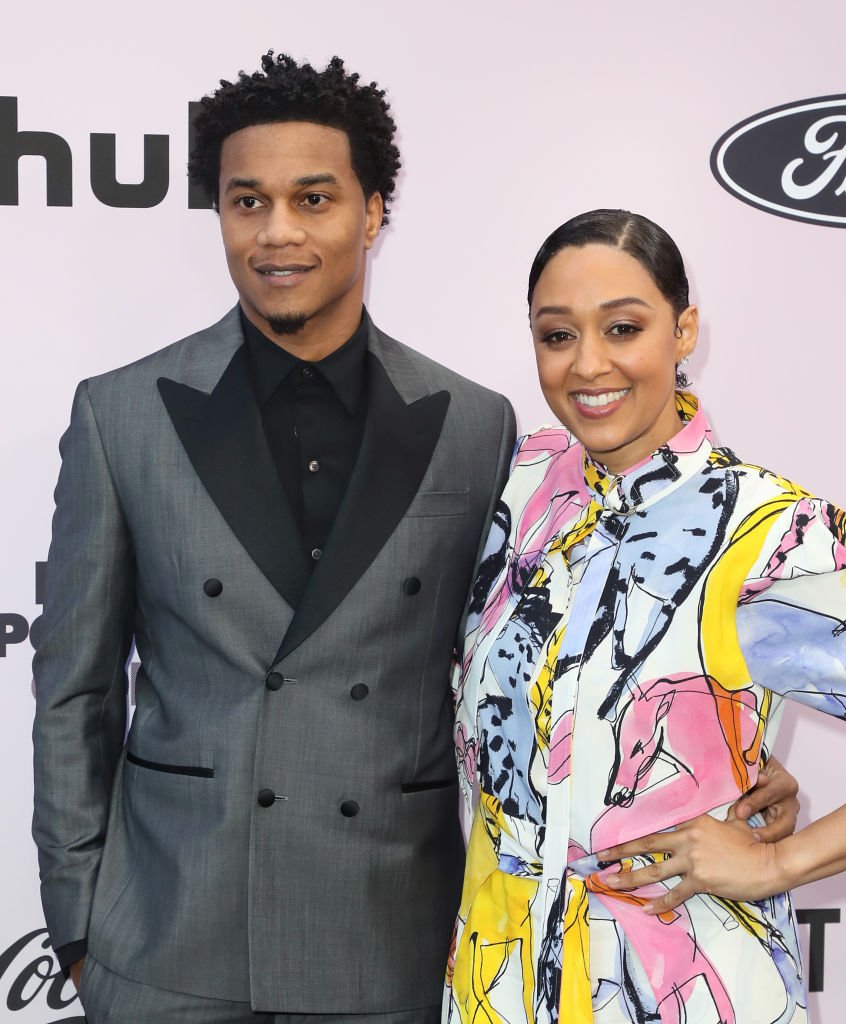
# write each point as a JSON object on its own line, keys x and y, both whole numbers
{"x": 266, "y": 798}
{"x": 316, "y": 553}
{"x": 359, "y": 691}
{"x": 411, "y": 586}
{"x": 349, "y": 808}
{"x": 213, "y": 588}
{"x": 274, "y": 681}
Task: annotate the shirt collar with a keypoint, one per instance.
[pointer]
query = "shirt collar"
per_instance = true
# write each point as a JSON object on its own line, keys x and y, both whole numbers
{"x": 343, "y": 369}
{"x": 664, "y": 470}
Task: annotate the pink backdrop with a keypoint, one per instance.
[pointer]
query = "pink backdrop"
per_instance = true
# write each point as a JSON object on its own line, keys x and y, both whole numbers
{"x": 512, "y": 118}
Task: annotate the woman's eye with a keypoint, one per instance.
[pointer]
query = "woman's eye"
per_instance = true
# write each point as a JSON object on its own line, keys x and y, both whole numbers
{"x": 248, "y": 202}
{"x": 557, "y": 337}
{"x": 623, "y": 330}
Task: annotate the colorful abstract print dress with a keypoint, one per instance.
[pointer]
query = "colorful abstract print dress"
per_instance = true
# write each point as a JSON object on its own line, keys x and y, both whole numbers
{"x": 630, "y": 643}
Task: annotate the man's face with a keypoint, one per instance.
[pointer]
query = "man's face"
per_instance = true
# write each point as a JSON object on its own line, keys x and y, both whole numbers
{"x": 296, "y": 225}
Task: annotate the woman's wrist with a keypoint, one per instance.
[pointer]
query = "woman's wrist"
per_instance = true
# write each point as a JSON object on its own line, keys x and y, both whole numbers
{"x": 787, "y": 864}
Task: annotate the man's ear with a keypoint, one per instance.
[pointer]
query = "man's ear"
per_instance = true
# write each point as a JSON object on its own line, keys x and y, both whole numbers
{"x": 373, "y": 212}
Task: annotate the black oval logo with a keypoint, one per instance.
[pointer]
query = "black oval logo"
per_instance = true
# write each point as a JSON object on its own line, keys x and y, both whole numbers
{"x": 790, "y": 161}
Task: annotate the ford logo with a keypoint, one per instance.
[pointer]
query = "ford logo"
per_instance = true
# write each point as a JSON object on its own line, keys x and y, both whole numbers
{"x": 790, "y": 161}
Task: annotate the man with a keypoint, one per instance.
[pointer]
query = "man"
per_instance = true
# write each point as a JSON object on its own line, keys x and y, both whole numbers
{"x": 285, "y": 510}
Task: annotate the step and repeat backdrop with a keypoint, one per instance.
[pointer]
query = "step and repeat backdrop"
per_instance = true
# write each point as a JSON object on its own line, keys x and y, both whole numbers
{"x": 725, "y": 123}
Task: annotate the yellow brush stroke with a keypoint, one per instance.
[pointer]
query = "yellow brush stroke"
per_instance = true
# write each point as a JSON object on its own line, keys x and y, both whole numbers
{"x": 721, "y": 652}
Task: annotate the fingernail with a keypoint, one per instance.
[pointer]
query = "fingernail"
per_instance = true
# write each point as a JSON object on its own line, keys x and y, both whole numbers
{"x": 603, "y": 854}
{"x": 649, "y": 908}
{"x": 613, "y": 881}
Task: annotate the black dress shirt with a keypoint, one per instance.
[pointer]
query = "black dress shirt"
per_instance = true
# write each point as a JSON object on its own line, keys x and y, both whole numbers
{"x": 313, "y": 417}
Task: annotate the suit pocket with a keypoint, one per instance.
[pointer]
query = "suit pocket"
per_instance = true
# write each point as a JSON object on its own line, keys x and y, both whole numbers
{"x": 439, "y": 503}
{"x": 425, "y": 787}
{"x": 170, "y": 769}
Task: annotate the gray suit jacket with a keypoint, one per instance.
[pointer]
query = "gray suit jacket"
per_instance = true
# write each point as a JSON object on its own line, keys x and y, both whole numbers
{"x": 280, "y": 824}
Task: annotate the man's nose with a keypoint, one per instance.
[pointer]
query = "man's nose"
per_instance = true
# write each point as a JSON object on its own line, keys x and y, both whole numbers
{"x": 281, "y": 226}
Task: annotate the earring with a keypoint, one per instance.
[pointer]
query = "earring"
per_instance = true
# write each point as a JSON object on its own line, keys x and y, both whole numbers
{"x": 685, "y": 361}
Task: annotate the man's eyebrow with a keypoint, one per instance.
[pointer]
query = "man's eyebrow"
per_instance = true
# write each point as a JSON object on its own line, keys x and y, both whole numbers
{"x": 628, "y": 300}
{"x": 240, "y": 183}
{"x": 316, "y": 179}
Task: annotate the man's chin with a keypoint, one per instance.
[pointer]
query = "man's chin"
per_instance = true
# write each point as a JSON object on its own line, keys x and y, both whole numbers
{"x": 287, "y": 323}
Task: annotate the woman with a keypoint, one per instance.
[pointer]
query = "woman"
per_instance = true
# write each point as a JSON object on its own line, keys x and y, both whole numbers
{"x": 632, "y": 634}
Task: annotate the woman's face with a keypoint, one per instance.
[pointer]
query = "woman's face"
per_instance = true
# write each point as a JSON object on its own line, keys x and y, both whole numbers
{"x": 606, "y": 345}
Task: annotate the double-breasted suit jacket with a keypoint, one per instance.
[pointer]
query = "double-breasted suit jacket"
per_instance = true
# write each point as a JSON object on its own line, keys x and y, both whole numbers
{"x": 279, "y": 825}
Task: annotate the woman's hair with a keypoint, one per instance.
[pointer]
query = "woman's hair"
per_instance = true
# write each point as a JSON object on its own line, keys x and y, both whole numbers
{"x": 635, "y": 234}
{"x": 286, "y": 91}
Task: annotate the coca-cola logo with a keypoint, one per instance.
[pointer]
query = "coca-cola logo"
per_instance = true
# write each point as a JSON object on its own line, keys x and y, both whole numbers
{"x": 790, "y": 161}
{"x": 30, "y": 977}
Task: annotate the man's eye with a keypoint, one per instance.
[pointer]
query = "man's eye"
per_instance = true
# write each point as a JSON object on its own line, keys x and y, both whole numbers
{"x": 314, "y": 199}
{"x": 248, "y": 202}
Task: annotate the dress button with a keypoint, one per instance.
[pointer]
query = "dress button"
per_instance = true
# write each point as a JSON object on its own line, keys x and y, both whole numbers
{"x": 349, "y": 808}
{"x": 316, "y": 553}
{"x": 274, "y": 681}
{"x": 212, "y": 588}
{"x": 313, "y": 466}
{"x": 308, "y": 373}
{"x": 266, "y": 798}
{"x": 359, "y": 691}
{"x": 411, "y": 586}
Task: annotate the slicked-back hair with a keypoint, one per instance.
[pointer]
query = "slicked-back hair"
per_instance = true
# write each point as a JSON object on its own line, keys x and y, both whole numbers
{"x": 635, "y": 234}
{"x": 286, "y": 91}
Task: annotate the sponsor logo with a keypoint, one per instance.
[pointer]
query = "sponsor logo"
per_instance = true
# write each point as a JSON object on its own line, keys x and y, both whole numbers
{"x": 16, "y": 142}
{"x": 790, "y": 161}
{"x": 14, "y": 627}
{"x": 30, "y": 977}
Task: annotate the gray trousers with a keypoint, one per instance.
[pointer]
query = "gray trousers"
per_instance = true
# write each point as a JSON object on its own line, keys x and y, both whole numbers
{"x": 109, "y": 998}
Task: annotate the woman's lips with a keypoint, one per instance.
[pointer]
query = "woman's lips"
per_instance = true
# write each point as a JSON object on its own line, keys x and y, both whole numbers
{"x": 595, "y": 405}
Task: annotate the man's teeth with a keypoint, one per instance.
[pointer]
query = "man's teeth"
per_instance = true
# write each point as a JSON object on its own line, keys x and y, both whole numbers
{"x": 604, "y": 399}
{"x": 281, "y": 273}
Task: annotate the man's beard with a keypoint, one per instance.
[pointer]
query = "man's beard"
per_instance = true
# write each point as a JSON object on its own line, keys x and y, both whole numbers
{"x": 287, "y": 323}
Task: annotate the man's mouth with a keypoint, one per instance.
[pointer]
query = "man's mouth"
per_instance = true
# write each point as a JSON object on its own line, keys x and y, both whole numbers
{"x": 287, "y": 270}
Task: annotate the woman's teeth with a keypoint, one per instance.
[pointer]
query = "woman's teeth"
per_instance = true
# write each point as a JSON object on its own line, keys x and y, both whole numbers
{"x": 604, "y": 399}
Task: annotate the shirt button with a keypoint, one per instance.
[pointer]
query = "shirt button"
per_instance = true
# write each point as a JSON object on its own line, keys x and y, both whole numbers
{"x": 411, "y": 586}
{"x": 349, "y": 808}
{"x": 212, "y": 588}
{"x": 313, "y": 466}
{"x": 308, "y": 373}
{"x": 266, "y": 798}
{"x": 316, "y": 553}
{"x": 274, "y": 681}
{"x": 359, "y": 691}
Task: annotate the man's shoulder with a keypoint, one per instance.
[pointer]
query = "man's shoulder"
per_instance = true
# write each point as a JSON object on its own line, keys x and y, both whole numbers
{"x": 440, "y": 377}
{"x": 198, "y": 358}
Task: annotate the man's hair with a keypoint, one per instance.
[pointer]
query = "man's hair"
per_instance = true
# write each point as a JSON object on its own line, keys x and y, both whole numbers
{"x": 286, "y": 91}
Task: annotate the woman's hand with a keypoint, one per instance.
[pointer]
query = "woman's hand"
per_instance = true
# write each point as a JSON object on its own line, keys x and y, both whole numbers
{"x": 775, "y": 797}
{"x": 725, "y": 858}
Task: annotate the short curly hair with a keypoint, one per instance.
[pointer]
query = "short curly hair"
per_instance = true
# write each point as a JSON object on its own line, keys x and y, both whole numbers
{"x": 286, "y": 91}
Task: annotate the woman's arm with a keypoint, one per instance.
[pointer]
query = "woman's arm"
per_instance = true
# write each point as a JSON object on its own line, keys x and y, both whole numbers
{"x": 725, "y": 858}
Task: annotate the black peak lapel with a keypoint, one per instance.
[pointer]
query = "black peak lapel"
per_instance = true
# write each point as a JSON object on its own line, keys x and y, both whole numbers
{"x": 223, "y": 437}
{"x": 396, "y": 449}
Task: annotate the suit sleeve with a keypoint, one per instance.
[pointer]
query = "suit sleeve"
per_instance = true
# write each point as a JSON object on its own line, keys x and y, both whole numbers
{"x": 80, "y": 676}
{"x": 791, "y": 618}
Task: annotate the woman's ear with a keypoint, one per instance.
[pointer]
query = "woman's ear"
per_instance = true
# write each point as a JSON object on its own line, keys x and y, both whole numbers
{"x": 687, "y": 331}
